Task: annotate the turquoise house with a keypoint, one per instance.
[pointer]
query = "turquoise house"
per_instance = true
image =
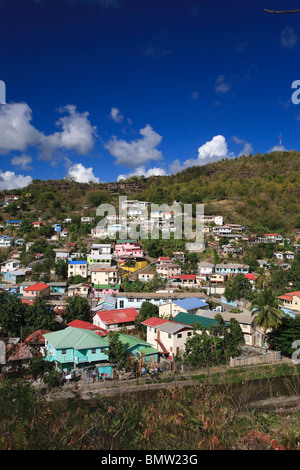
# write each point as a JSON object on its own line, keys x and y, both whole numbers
{"x": 138, "y": 348}
{"x": 74, "y": 348}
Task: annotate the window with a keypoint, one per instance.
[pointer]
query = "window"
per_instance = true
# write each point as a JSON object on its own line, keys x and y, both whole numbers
{"x": 169, "y": 335}
{"x": 64, "y": 351}
{"x": 93, "y": 351}
{"x": 189, "y": 333}
{"x": 121, "y": 303}
{"x": 179, "y": 335}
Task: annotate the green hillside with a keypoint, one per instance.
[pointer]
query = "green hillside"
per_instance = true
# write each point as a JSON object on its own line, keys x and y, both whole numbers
{"x": 261, "y": 191}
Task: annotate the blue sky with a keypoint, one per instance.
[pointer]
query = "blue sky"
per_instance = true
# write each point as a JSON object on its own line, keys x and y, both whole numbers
{"x": 106, "y": 89}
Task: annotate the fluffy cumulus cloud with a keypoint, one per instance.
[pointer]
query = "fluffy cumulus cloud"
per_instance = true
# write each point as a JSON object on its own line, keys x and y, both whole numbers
{"x": 141, "y": 171}
{"x": 16, "y": 130}
{"x": 212, "y": 151}
{"x": 137, "y": 152}
{"x": 81, "y": 174}
{"x": 76, "y": 134}
{"x": 17, "y": 133}
{"x": 9, "y": 180}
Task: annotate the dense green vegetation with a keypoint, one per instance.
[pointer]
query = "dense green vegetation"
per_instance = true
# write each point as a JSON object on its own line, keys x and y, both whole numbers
{"x": 261, "y": 191}
{"x": 199, "y": 417}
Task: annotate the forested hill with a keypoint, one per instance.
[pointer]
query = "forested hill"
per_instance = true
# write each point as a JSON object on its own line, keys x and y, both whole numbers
{"x": 261, "y": 191}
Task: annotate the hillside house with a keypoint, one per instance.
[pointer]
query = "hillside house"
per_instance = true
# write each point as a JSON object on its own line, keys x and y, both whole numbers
{"x": 17, "y": 276}
{"x": 146, "y": 275}
{"x": 77, "y": 268}
{"x": 101, "y": 249}
{"x": 36, "y": 289}
{"x": 206, "y": 268}
{"x": 75, "y": 347}
{"x": 188, "y": 305}
{"x": 167, "y": 337}
{"x": 81, "y": 289}
{"x": 218, "y": 278}
{"x": 15, "y": 224}
{"x": 168, "y": 270}
{"x": 113, "y": 320}
{"x": 231, "y": 268}
{"x": 10, "y": 265}
{"x": 291, "y": 300}
{"x": 107, "y": 276}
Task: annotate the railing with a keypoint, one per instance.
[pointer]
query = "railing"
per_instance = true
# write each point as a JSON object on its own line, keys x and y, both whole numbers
{"x": 265, "y": 358}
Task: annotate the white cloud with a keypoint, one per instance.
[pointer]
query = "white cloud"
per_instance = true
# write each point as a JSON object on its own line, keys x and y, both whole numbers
{"x": 137, "y": 152}
{"x": 81, "y": 174}
{"x": 247, "y": 147}
{"x": 141, "y": 171}
{"x": 16, "y": 130}
{"x": 116, "y": 115}
{"x": 9, "y": 180}
{"x": 288, "y": 37}
{"x": 23, "y": 162}
{"x": 212, "y": 151}
{"x": 77, "y": 134}
{"x": 215, "y": 147}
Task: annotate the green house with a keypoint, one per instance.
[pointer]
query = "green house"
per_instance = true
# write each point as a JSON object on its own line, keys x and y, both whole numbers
{"x": 137, "y": 347}
{"x": 75, "y": 347}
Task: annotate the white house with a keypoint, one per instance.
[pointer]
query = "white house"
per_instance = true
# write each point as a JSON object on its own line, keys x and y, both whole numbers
{"x": 167, "y": 337}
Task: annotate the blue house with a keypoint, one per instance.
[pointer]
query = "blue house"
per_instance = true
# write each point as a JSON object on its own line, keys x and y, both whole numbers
{"x": 73, "y": 348}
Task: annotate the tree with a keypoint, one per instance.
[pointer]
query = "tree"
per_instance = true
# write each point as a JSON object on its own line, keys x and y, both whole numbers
{"x": 40, "y": 315}
{"x": 77, "y": 308}
{"x": 147, "y": 310}
{"x": 283, "y": 337}
{"x": 61, "y": 269}
{"x": 117, "y": 352}
{"x": 266, "y": 308}
{"x": 237, "y": 288}
{"x": 12, "y": 314}
{"x": 234, "y": 339}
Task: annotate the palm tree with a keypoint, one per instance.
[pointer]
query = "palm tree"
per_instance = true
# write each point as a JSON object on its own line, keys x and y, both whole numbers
{"x": 262, "y": 280}
{"x": 266, "y": 307}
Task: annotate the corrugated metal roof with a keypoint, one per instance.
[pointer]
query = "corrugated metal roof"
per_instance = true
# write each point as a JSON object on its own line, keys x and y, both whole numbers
{"x": 77, "y": 338}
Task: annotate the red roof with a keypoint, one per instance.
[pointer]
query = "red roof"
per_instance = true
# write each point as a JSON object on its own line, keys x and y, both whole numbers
{"x": 249, "y": 276}
{"x": 154, "y": 321}
{"x": 36, "y": 287}
{"x": 289, "y": 295}
{"x": 188, "y": 276}
{"x": 164, "y": 258}
{"x": 271, "y": 234}
{"x": 18, "y": 352}
{"x": 87, "y": 326}
{"x": 124, "y": 315}
{"x": 37, "y": 337}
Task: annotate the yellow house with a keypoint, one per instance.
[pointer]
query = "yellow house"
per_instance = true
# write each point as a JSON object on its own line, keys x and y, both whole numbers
{"x": 138, "y": 265}
{"x": 291, "y": 300}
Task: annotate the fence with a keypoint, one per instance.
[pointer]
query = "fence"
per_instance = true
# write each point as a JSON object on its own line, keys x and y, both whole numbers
{"x": 265, "y": 358}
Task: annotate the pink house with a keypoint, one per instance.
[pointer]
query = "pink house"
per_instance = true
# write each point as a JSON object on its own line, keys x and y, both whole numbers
{"x": 36, "y": 289}
{"x": 129, "y": 248}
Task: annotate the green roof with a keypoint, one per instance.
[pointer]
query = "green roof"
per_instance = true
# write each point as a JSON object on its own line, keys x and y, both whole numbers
{"x": 132, "y": 341}
{"x": 106, "y": 286}
{"x": 190, "y": 319}
{"x": 129, "y": 240}
{"x": 148, "y": 351}
{"x": 77, "y": 338}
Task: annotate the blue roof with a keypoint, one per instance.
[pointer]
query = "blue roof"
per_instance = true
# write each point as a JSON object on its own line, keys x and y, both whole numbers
{"x": 16, "y": 221}
{"x": 77, "y": 262}
{"x": 191, "y": 303}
